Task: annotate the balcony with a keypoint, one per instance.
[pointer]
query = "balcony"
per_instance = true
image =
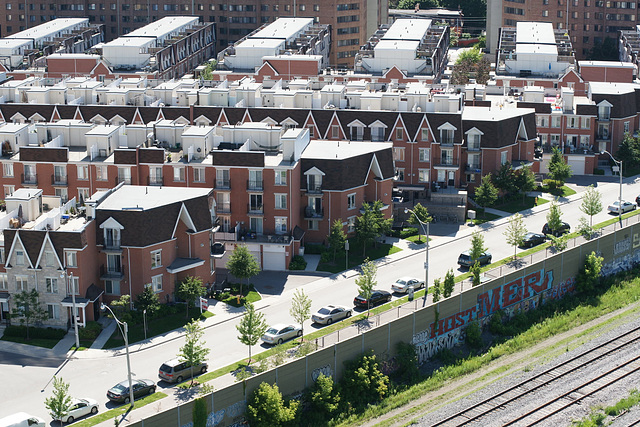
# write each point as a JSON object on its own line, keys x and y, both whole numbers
{"x": 473, "y": 147}
{"x": 312, "y": 213}
{"x": 58, "y": 180}
{"x": 603, "y": 136}
{"x": 107, "y": 273}
{"x": 125, "y": 179}
{"x": 447, "y": 163}
{"x": 447, "y": 141}
{"x": 223, "y": 184}
{"x": 604, "y": 117}
{"x": 29, "y": 179}
{"x": 314, "y": 189}
{"x": 255, "y": 185}
{"x": 473, "y": 168}
{"x": 223, "y": 208}
{"x": 155, "y": 180}
{"x": 255, "y": 209}
{"x": 111, "y": 244}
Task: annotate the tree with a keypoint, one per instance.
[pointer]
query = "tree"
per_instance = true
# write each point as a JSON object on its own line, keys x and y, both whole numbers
{"x": 337, "y": 237}
{"x": 437, "y": 290}
{"x": 505, "y": 179}
{"x": 122, "y": 308}
{"x": 477, "y": 245}
{"x": 266, "y": 407}
{"x": 420, "y": 213}
{"x": 27, "y": 308}
{"x": 242, "y": 264}
{"x": 591, "y": 203}
{"x": 251, "y": 327}
{"x": 200, "y": 412}
{"x": 629, "y": 150}
{"x": 367, "y": 281}
{"x": 483, "y": 71}
{"x": 193, "y": 352}
{"x": 449, "y": 283}
{"x": 148, "y": 300}
{"x": 190, "y": 289}
{"x": 515, "y": 232}
{"x": 363, "y": 382}
{"x": 325, "y": 398}
{"x": 589, "y": 275}
{"x": 486, "y": 194}
{"x": 475, "y": 271}
{"x": 559, "y": 170}
{"x": 554, "y": 218}
{"x": 462, "y": 69}
{"x": 300, "y": 307}
{"x": 606, "y": 50}
{"x": 525, "y": 181}
{"x": 60, "y": 402}
{"x": 371, "y": 224}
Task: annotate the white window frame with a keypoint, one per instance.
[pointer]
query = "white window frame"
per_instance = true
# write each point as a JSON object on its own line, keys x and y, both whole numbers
{"x": 115, "y": 287}
{"x": 102, "y": 173}
{"x": 281, "y": 201}
{"x": 313, "y": 225}
{"x": 399, "y": 134}
{"x": 20, "y": 257}
{"x": 53, "y": 311}
{"x": 280, "y": 177}
{"x": 49, "y": 259}
{"x": 424, "y": 155}
{"x": 75, "y": 283}
{"x": 556, "y": 121}
{"x": 63, "y": 193}
{"x": 423, "y": 175}
{"x": 51, "y": 285}
{"x": 156, "y": 283}
{"x": 178, "y": 174}
{"x": 82, "y": 172}
{"x": 351, "y": 224}
{"x": 351, "y": 201}
{"x": 398, "y": 154}
{"x": 400, "y": 174}
{"x": 7, "y": 170}
{"x": 9, "y": 190}
{"x": 198, "y": 175}
{"x": 156, "y": 259}
{"x": 22, "y": 283}
{"x": 424, "y": 134}
{"x": 280, "y": 224}
{"x": 625, "y": 126}
{"x": 4, "y": 282}
{"x": 503, "y": 157}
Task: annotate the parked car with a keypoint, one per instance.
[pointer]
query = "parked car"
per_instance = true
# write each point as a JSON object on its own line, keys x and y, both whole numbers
{"x": 79, "y": 408}
{"x": 626, "y": 207}
{"x": 377, "y": 297}
{"x": 174, "y": 371}
{"x": 403, "y": 284}
{"x": 638, "y": 200}
{"x": 465, "y": 259}
{"x": 21, "y": 419}
{"x": 120, "y": 392}
{"x": 331, "y": 313}
{"x": 533, "y": 239}
{"x": 564, "y": 228}
{"x": 277, "y": 334}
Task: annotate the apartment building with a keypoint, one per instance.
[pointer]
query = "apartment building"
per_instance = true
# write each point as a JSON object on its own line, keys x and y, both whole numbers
{"x": 587, "y": 22}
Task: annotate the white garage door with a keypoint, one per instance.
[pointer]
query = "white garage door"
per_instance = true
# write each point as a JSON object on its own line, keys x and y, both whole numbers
{"x": 577, "y": 165}
{"x": 274, "y": 261}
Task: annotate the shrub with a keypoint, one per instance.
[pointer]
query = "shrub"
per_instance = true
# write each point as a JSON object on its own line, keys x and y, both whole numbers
{"x": 473, "y": 335}
{"x": 43, "y": 333}
{"x": 280, "y": 354}
{"x": 305, "y": 348}
{"x": 199, "y": 412}
{"x": 446, "y": 356}
{"x": 314, "y": 248}
{"x": 407, "y": 362}
{"x": 91, "y": 331}
{"x": 297, "y": 263}
{"x": 550, "y": 184}
{"x": 326, "y": 257}
{"x": 598, "y": 171}
{"x": 266, "y": 407}
{"x": 324, "y": 397}
{"x": 363, "y": 382}
{"x": 495, "y": 324}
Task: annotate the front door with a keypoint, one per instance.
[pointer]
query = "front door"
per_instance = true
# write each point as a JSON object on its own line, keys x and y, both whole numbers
{"x": 4, "y": 312}
{"x": 452, "y": 179}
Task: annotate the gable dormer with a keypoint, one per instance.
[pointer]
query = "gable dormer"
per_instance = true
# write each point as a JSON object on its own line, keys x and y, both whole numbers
{"x": 474, "y": 138}
{"x": 314, "y": 180}
{"x": 604, "y": 110}
{"x": 112, "y": 233}
{"x": 356, "y": 130}
{"x": 377, "y": 131}
{"x": 447, "y": 132}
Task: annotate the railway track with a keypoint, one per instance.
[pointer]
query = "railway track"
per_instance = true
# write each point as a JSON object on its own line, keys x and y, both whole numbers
{"x": 553, "y": 405}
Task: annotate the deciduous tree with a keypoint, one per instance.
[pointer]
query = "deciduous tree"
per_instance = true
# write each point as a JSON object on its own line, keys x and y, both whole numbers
{"x": 437, "y": 290}
{"x": 449, "y": 283}
{"x": 371, "y": 224}
{"x": 366, "y": 281}
{"x": 251, "y": 327}
{"x": 300, "y": 307}
{"x": 194, "y": 351}
{"x": 525, "y": 181}
{"x": 60, "y": 401}
{"x": 190, "y": 289}
{"x": 337, "y": 237}
{"x": 27, "y": 309}
{"x": 477, "y": 245}
{"x": 242, "y": 264}
{"x": 554, "y": 217}
{"x": 591, "y": 203}
{"x": 486, "y": 194}
{"x": 266, "y": 407}
{"x": 559, "y": 170}
{"x": 420, "y": 214}
{"x": 505, "y": 179}
{"x": 515, "y": 232}
{"x": 589, "y": 274}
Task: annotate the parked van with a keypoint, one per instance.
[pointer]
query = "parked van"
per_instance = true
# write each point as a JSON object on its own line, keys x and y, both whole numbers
{"x": 174, "y": 371}
{"x": 21, "y": 419}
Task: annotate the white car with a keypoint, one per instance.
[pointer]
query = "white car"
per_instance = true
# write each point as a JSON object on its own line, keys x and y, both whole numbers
{"x": 626, "y": 207}
{"x": 80, "y": 408}
{"x": 331, "y": 313}
{"x": 402, "y": 284}
{"x": 277, "y": 334}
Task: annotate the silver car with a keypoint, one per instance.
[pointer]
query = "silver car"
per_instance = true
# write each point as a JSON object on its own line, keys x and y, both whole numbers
{"x": 80, "y": 408}
{"x": 403, "y": 284}
{"x": 331, "y": 313}
{"x": 277, "y": 334}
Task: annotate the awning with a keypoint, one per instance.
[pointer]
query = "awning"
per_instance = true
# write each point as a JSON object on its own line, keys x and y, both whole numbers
{"x": 410, "y": 187}
{"x": 183, "y": 264}
{"x": 298, "y": 233}
{"x": 80, "y": 302}
{"x": 93, "y": 293}
{"x": 4, "y": 296}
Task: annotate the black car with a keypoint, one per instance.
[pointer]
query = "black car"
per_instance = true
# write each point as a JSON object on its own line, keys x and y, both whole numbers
{"x": 377, "y": 297}
{"x": 533, "y": 239}
{"x": 638, "y": 200}
{"x": 465, "y": 259}
{"x": 564, "y": 228}
{"x": 120, "y": 392}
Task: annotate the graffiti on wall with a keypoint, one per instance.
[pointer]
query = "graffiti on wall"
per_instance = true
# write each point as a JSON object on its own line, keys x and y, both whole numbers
{"x": 231, "y": 411}
{"x": 623, "y": 263}
{"x": 323, "y": 370}
{"x": 514, "y": 293}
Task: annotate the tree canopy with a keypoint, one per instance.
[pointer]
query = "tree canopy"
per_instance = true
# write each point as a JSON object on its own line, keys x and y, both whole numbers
{"x": 242, "y": 264}
{"x": 486, "y": 194}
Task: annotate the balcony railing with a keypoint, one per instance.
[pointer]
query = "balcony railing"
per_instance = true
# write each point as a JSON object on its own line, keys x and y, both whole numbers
{"x": 447, "y": 161}
{"x": 58, "y": 180}
{"x": 447, "y": 141}
{"x": 111, "y": 273}
{"x": 473, "y": 147}
{"x": 112, "y": 244}
{"x": 223, "y": 208}
{"x": 255, "y": 185}
{"x": 473, "y": 167}
{"x": 223, "y": 184}
{"x": 155, "y": 180}
{"x": 603, "y": 135}
{"x": 314, "y": 189}
{"x": 125, "y": 179}
{"x": 312, "y": 213}
{"x": 604, "y": 117}
{"x": 255, "y": 209}
{"x": 29, "y": 179}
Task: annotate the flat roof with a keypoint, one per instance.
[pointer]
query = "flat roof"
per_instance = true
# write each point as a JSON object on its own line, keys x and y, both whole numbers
{"x": 142, "y": 197}
{"x": 13, "y": 43}
{"x": 102, "y": 130}
{"x": 261, "y": 43}
{"x": 49, "y": 28}
{"x": 608, "y": 64}
{"x": 537, "y": 48}
{"x": 126, "y": 41}
{"x": 163, "y": 26}
{"x": 535, "y": 32}
{"x": 283, "y": 28}
{"x": 24, "y": 194}
{"x": 407, "y": 29}
{"x": 73, "y": 56}
{"x": 198, "y": 131}
{"x": 338, "y": 150}
{"x": 610, "y": 88}
{"x": 12, "y": 127}
{"x": 407, "y": 45}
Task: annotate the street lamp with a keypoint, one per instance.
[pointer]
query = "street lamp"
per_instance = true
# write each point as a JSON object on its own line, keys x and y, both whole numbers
{"x": 619, "y": 164}
{"x": 125, "y": 334}
{"x": 426, "y": 254}
{"x": 66, "y": 277}
{"x": 144, "y": 317}
{"x": 346, "y": 260}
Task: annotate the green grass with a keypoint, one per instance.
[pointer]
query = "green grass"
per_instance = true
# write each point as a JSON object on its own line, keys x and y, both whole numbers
{"x": 414, "y": 239}
{"x": 516, "y": 205}
{"x": 251, "y": 296}
{"x": 155, "y": 327}
{"x": 615, "y": 219}
{"x": 598, "y": 415}
{"x": 356, "y": 258}
{"x": 485, "y": 217}
{"x": 38, "y": 342}
{"x": 112, "y": 413}
{"x": 563, "y": 191}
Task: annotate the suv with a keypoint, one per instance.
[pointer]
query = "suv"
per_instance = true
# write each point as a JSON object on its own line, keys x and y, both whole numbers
{"x": 174, "y": 371}
{"x": 564, "y": 228}
{"x": 465, "y": 259}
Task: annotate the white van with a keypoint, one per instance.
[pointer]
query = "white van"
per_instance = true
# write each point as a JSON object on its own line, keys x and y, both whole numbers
{"x": 21, "y": 419}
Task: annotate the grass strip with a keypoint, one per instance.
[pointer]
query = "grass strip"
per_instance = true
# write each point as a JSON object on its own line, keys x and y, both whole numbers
{"x": 599, "y": 415}
{"x": 38, "y": 342}
{"x": 112, "y": 413}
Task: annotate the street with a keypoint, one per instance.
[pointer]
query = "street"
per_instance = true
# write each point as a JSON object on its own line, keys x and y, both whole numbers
{"x": 29, "y": 380}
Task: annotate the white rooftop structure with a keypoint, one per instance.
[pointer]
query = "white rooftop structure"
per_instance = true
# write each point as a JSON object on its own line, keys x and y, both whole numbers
{"x": 408, "y": 29}
{"x": 132, "y": 197}
{"x": 535, "y": 33}
{"x": 339, "y": 150}
{"x": 284, "y": 28}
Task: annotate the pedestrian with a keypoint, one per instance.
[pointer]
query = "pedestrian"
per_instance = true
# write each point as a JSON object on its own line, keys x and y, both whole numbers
{"x": 535, "y": 203}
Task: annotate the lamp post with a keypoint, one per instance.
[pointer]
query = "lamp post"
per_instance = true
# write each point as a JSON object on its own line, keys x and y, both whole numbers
{"x": 346, "y": 250}
{"x": 619, "y": 164}
{"x": 144, "y": 318}
{"x": 125, "y": 334}
{"x": 426, "y": 254}
{"x": 66, "y": 277}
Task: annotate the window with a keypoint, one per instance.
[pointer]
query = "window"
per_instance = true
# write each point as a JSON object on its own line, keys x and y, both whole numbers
{"x": 351, "y": 224}
{"x": 178, "y": 174}
{"x": 1, "y": 255}
{"x": 72, "y": 259}
{"x": 555, "y": 139}
{"x": 573, "y": 122}
{"x": 545, "y": 13}
{"x": 555, "y": 121}
{"x": 4, "y": 282}
{"x": 52, "y": 285}
{"x": 542, "y": 121}
{"x": 423, "y": 155}
{"x": 83, "y": 172}
{"x": 313, "y": 225}
{"x": 112, "y": 237}
{"x": 62, "y": 193}
{"x": 626, "y": 127}
{"x": 586, "y": 123}
{"x": 503, "y": 157}
{"x": 281, "y": 177}
{"x": 316, "y": 8}
{"x": 22, "y": 283}
{"x": 156, "y": 283}
{"x": 398, "y": 154}
{"x": 101, "y": 173}
{"x": 9, "y": 190}
{"x": 399, "y": 134}
{"x": 255, "y": 224}
{"x": 113, "y": 264}
{"x": 446, "y": 136}
{"x": 156, "y": 259}
{"x": 281, "y": 225}
{"x": 112, "y": 287}
{"x": 48, "y": 259}
{"x": 198, "y": 174}
{"x": 377, "y": 133}
{"x": 60, "y": 174}
{"x": 351, "y": 201}
{"x": 335, "y": 131}
{"x": 423, "y": 175}
{"x": 19, "y": 257}
{"x": 83, "y": 194}
{"x": 281, "y": 201}
{"x": 124, "y": 175}
{"x": 53, "y": 311}
{"x": 400, "y": 174}
{"x": 7, "y": 170}
{"x": 30, "y": 174}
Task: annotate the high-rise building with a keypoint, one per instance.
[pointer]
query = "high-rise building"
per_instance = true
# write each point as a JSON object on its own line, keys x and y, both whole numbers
{"x": 352, "y": 21}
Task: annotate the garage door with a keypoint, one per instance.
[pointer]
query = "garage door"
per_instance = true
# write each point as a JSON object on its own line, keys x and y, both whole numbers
{"x": 577, "y": 165}
{"x": 274, "y": 261}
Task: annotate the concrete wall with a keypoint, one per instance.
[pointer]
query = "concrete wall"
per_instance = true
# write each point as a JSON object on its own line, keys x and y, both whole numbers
{"x": 524, "y": 289}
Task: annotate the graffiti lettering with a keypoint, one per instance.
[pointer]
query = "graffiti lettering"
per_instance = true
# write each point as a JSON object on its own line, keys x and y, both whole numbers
{"x": 237, "y": 408}
{"x": 622, "y": 263}
{"x": 622, "y": 246}
{"x": 428, "y": 348}
{"x": 636, "y": 240}
{"x": 215, "y": 418}
{"x": 514, "y": 292}
{"x": 324, "y": 370}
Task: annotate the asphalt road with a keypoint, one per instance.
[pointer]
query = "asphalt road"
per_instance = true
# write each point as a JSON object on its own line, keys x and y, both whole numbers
{"x": 27, "y": 380}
